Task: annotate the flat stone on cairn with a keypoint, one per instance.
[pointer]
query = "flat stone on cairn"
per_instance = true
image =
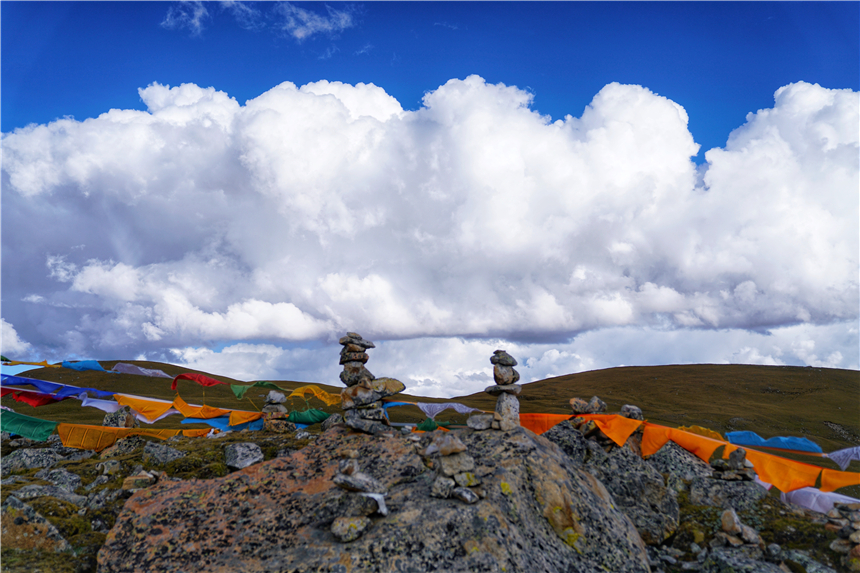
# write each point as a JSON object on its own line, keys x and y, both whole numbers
{"x": 506, "y": 389}
{"x": 362, "y": 398}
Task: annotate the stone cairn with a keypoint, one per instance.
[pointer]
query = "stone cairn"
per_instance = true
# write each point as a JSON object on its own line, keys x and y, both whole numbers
{"x": 275, "y": 414}
{"x": 507, "y": 415}
{"x": 455, "y": 469}
{"x": 736, "y": 534}
{"x": 589, "y": 428}
{"x": 736, "y": 468}
{"x": 844, "y": 519}
{"x": 361, "y": 400}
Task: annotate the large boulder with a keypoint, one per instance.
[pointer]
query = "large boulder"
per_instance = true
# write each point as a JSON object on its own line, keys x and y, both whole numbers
{"x": 638, "y": 490}
{"x": 678, "y": 466}
{"x": 29, "y": 458}
{"x": 740, "y": 495}
{"x": 535, "y": 511}
{"x": 25, "y": 529}
{"x": 238, "y": 456}
{"x": 569, "y": 439}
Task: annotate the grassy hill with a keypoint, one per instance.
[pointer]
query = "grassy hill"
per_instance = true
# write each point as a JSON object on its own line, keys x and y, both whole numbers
{"x": 821, "y": 404}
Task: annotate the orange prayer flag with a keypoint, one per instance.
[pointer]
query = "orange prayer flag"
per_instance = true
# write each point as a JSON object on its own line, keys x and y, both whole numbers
{"x": 785, "y": 475}
{"x": 100, "y": 437}
{"x": 654, "y": 437}
{"x": 149, "y": 409}
{"x": 540, "y": 423}
{"x": 238, "y": 417}
{"x": 698, "y": 445}
{"x": 832, "y": 480}
{"x": 617, "y": 427}
{"x": 205, "y": 412}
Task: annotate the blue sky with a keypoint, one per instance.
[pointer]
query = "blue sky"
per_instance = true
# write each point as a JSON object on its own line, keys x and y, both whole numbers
{"x": 233, "y": 185}
{"x": 720, "y": 60}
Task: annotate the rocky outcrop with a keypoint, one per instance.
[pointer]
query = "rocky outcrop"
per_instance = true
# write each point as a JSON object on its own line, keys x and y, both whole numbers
{"x": 678, "y": 466}
{"x": 536, "y": 512}
{"x": 638, "y": 490}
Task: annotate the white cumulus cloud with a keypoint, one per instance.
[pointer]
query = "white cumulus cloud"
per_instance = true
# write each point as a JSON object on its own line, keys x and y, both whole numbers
{"x": 471, "y": 222}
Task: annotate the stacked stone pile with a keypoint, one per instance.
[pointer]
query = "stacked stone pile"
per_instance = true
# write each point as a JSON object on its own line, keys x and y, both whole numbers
{"x": 275, "y": 414}
{"x": 588, "y": 427}
{"x": 370, "y": 498}
{"x": 736, "y": 468}
{"x": 507, "y": 415}
{"x": 736, "y": 534}
{"x": 455, "y": 469}
{"x": 362, "y": 398}
{"x": 275, "y": 403}
{"x": 844, "y": 519}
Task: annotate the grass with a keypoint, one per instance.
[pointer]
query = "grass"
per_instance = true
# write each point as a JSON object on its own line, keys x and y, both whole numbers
{"x": 822, "y": 404}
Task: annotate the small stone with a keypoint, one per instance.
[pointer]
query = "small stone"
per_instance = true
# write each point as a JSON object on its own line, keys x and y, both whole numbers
{"x": 467, "y": 479}
{"x": 456, "y": 463}
{"x": 841, "y": 546}
{"x": 275, "y": 397}
{"x": 480, "y": 421}
{"x": 465, "y": 495}
{"x": 60, "y": 478}
{"x": 496, "y": 425}
{"x": 774, "y": 550}
{"x": 332, "y": 421}
{"x": 751, "y": 536}
{"x": 366, "y": 426}
{"x": 578, "y": 405}
{"x": 632, "y": 412}
{"x": 354, "y": 357}
{"x": 504, "y": 375}
{"x": 379, "y": 498}
{"x": 356, "y": 339}
{"x": 142, "y": 480}
{"x": 442, "y": 487}
{"x": 349, "y": 347}
{"x": 354, "y": 373}
{"x": 238, "y": 456}
{"x": 348, "y": 466}
{"x": 855, "y": 537}
{"x": 109, "y": 467}
{"x": 720, "y": 464}
{"x": 589, "y": 428}
{"x": 160, "y": 454}
{"x": 596, "y": 406}
{"x": 508, "y": 407}
{"x": 736, "y": 459}
{"x": 346, "y": 529}
{"x": 514, "y": 389}
{"x": 730, "y": 522}
{"x": 278, "y": 423}
{"x": 503, "y": 358}
{"x": 274, "y": 409}
{"x": 359, "y": 481}
{"x": 446, "y": 445}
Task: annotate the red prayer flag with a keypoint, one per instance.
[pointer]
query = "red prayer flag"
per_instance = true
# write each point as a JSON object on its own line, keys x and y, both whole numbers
{"x": 199, "y": 378}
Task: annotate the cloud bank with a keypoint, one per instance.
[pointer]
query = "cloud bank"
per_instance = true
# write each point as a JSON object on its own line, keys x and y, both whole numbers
{"x": 270, "y": 228}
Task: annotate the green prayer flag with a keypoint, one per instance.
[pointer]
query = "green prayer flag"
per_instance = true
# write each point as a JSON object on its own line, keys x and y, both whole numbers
{"x": 429, "y": 425}
{"x": 240, "y": 389}
{"x": 309, "y": 417}
{"x": 32, "y": 428}
{"x": 4, "y": 359}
